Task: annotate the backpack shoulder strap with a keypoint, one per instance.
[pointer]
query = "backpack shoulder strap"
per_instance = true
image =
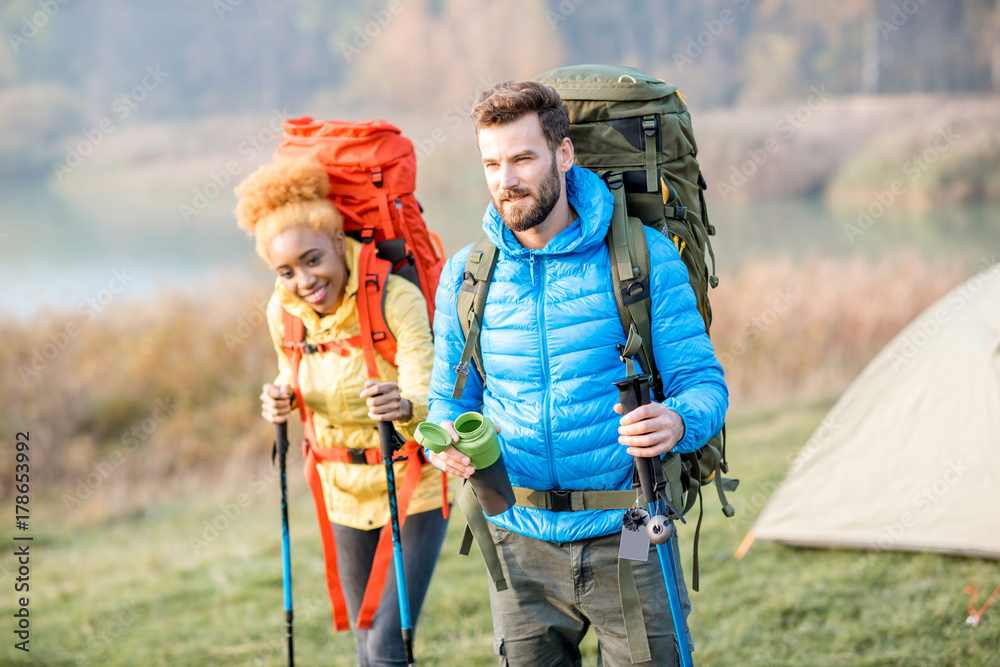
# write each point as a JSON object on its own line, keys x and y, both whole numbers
{"x": 375, "y": 333}
{"x": 629, "y": 255}
{"x": 471, "y": 304}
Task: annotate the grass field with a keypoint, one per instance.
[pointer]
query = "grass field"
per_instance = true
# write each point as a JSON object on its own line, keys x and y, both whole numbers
{"x": 163, "y": 587}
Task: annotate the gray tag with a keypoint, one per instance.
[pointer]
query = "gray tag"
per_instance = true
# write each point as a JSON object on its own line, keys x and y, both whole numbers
{"x": 635, "y": 542}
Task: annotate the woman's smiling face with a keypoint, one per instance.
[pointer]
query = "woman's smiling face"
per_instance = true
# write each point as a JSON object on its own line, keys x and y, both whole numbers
{"x": 311, "y": 266}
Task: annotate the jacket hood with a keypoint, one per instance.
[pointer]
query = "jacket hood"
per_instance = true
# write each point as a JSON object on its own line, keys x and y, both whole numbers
{"x": 589, "y": 197}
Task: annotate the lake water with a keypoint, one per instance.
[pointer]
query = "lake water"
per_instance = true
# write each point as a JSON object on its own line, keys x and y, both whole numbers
{"x": 53, "y": 257}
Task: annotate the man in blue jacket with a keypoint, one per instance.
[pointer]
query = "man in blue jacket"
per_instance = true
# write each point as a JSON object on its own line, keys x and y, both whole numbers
{"x": 549, "y": 332}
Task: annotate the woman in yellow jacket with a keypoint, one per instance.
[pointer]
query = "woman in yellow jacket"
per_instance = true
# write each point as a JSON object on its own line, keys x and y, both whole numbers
{"x": 299, "y": 233}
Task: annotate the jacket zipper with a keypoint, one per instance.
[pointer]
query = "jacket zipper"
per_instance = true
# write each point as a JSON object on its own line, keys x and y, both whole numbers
{"x": 546, "y": 416}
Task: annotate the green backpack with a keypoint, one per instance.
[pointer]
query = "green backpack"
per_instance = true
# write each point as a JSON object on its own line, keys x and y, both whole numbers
{"x": 634, "y": 131}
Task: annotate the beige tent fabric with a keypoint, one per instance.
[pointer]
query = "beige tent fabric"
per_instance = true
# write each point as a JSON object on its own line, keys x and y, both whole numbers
{"x": 909, "y": 457}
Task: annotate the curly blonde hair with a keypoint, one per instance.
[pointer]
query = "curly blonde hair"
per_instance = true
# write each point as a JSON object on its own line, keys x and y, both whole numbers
{"x": 285, "y": 194}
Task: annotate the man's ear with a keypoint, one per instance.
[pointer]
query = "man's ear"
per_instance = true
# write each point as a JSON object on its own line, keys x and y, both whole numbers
{"x": 565, "y": 154}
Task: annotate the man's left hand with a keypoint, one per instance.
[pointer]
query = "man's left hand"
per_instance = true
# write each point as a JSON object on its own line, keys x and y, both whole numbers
{"x": 650, "y": 430}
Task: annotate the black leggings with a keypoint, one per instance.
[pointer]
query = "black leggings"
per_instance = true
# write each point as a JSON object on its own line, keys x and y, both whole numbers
{"x": 421, "y": 536}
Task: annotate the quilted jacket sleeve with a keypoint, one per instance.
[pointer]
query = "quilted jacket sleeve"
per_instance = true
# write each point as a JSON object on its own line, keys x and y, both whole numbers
{"x": 448, "y": 343}
{"x": 693, "y": 381}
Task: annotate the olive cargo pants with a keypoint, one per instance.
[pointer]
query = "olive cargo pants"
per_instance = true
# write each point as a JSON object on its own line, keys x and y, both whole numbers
{"x": 556, "y": 592}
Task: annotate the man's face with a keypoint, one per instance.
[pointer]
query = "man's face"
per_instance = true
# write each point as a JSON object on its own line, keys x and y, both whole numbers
{"x": 522, "y": 172}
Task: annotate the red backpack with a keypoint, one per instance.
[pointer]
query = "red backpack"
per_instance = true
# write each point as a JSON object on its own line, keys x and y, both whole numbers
{"x": 372, "y": 170}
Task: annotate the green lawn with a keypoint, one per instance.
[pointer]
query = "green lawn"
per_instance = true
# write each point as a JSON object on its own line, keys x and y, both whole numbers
{"x": 137, "y": 591}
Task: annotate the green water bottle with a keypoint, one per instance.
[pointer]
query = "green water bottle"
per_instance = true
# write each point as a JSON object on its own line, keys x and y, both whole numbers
{"x": 477, "y": 439}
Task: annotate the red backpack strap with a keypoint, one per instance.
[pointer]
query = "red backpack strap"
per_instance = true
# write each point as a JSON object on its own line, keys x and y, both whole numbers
{"x": 293, "y": 345}
{"x": 375, "y": 334}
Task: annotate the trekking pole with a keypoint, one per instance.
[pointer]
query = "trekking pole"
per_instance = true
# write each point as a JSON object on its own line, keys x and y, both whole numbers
{"x": 633, "y": 392}
{"x": 388, "y": 439}
{"x": 281, "y": 447}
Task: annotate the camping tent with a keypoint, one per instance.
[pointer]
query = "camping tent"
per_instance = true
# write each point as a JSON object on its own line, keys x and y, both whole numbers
{"x": 909, "y": 457}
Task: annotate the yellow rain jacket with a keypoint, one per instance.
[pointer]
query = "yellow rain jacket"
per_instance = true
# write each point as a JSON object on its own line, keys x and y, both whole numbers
{"x": 356, "y": 495}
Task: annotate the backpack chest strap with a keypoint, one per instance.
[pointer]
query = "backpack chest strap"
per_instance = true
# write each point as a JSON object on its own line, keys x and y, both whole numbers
{"x": 342, "y": 347}
{"x": 371, "y": 456}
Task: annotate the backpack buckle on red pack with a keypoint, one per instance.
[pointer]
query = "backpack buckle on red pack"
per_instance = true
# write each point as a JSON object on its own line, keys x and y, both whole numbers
{"x": 376, "y": 177}
{"x": 367, "y": 234}
{"x": 378, "y": 336}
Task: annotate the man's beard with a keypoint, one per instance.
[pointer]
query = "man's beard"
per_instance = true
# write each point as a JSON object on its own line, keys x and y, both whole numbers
{"x": 521, "y": 220}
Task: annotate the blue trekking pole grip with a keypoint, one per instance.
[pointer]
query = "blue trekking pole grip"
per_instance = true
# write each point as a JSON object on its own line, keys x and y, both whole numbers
{"x": 387, "y": 440}
{"x": 281, "y": 448}
{"x": 633, "y": 392}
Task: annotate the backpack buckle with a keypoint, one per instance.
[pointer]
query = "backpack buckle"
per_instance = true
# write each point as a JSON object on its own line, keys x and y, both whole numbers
{"x": 357, "y": 456}
{"x": 376, "y": 177}
{"x": 309, "y": 348}
{"x": 560, "y": 500}
{"x": 469, "y": 283}
{"x": 635, "y": 291}
{"x": 463, "y": 368}
{"x": 367, "y": 234}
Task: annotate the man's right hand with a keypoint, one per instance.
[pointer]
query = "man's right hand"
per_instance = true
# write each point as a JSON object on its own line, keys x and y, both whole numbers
{"x": 451, "y": 460}
{"x": 276, "y": 403}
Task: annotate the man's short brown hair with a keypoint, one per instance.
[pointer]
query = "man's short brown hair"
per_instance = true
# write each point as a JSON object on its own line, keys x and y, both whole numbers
{"x": 507, "y": 102}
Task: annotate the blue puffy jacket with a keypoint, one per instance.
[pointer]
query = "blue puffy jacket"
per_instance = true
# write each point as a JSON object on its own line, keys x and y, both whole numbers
{"x": 548, "y": 341}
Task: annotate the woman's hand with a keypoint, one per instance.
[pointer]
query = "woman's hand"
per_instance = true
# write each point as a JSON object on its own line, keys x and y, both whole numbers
{"x": 276, "y": 403}
{"x": 384, "y": 402}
